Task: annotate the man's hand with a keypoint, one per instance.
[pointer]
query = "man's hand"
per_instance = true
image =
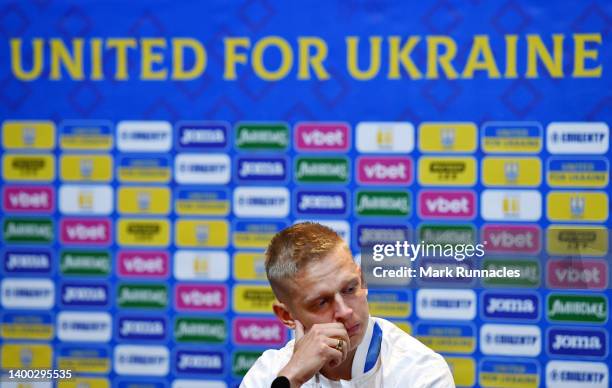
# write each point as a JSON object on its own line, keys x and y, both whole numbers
{"x": 315, "y": 349}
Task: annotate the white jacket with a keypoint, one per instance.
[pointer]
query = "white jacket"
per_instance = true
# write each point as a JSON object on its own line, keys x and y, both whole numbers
{"x": 400, "y": 361}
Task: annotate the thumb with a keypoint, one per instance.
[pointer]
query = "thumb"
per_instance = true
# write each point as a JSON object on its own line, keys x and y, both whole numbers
{"x": 299, "y": 330}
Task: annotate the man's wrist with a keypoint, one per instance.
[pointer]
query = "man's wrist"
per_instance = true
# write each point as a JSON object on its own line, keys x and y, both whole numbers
{"x": 281, "y": 382}
{"x": 288, "y": 372}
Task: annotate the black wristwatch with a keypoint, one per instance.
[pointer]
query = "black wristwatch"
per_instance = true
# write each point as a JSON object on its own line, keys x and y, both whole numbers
{"x": 281, "y": 382}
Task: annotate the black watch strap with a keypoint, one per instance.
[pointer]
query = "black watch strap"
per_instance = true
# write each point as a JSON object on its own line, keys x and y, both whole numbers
{"x": 281, "y": 382}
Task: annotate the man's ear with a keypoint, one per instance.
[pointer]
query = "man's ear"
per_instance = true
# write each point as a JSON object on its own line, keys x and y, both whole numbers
{"x": 283, "y": 314}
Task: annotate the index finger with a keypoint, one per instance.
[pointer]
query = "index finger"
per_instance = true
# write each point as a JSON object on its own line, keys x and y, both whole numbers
{"x": 299, "y": 330}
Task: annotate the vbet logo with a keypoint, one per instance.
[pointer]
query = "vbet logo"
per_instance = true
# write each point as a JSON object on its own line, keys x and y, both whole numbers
{"x": 202, "y": 135}
{"x": 28, "y": 199}
{"x": 459, "y": 204}
{"x": 258, "y": 332}
{"x": 318, "y": 137}
{"x": 145, "y": 264}
{"x": 572, "y": 374}
{"x": 388, "y": 170}
{"x": 511, "y": 305}
{"x": 577, "y": 274}
{"x": 580, "y": 342}
{"x": 512, "y": 239}
{"x": 84, "y": 231}
{"x": 200, "y": 297}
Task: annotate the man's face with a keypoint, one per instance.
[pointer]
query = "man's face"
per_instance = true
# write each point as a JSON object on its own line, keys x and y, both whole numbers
{"x": 330, "y": 290}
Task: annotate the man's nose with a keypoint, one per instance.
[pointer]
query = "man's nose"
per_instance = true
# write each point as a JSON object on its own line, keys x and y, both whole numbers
{"x": 342, "y": 310}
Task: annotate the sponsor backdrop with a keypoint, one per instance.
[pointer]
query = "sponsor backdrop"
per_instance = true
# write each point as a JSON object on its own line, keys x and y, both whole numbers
{"x": 151, "y": 149}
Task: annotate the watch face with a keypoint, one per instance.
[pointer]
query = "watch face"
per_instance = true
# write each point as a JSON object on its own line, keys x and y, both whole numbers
{"x": 281, "y": 382}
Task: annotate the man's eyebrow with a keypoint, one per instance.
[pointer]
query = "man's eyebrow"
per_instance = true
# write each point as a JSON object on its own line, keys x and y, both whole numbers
{"x": 347, "y": 282}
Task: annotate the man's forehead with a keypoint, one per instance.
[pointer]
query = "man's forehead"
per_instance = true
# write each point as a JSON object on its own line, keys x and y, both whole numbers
{"x": 325, "y": 274}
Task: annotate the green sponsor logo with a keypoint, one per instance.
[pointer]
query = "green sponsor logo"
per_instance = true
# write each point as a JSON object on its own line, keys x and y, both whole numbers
{"x": 322, "y": 170}
{"x": 383, "y": 203}
{"x": 262, "y": 136}
{"x": 577, "y": 308}
{"x": 96, "y": 263}
{"x": 28, "y": 230}
{"x": 445, "y": 234}
{"x": 142, "y": 295}
{"x": 242, "y": 362}
{"x": 208, "y": 330}
{"x": 529, "y": 273}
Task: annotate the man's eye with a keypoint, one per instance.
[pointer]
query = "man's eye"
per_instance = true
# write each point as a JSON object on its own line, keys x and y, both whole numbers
{"x": 321, "y": 303}
{"x": 350, "y": 290}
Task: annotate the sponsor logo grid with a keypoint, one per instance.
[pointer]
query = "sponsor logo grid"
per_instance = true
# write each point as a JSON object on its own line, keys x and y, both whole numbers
{"x": 127, "y": 236}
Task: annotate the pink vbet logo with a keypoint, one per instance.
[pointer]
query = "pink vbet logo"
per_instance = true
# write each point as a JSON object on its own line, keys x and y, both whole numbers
{"x": 519, "y": 239}
{"x": 460, "y": 204}
{"x": 85, "y": 231}
{"x": 577, "y": 274}
{"x": 384, "y": 170}
{"x": 28, "y": 199}
{"x": 322, "y": 136}
{"x": 143, "y": 264}
{"x": 200, "y": 297}
{"x": 260, "y": 331}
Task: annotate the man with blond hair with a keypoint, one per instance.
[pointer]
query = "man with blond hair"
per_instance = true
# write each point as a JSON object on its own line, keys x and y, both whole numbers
{"x": 320, "y": 294}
